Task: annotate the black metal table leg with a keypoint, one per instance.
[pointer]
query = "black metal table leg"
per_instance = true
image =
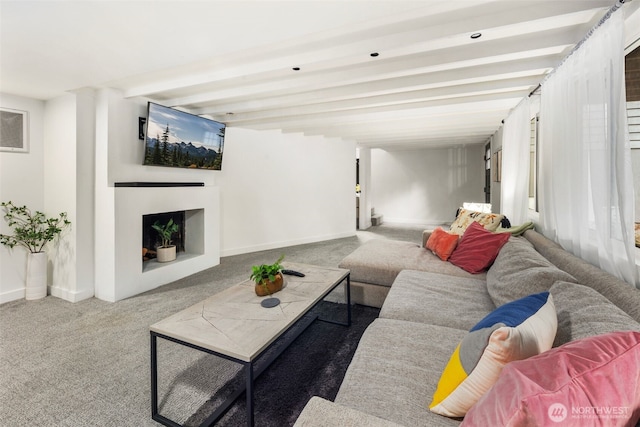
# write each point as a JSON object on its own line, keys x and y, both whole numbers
{"x": 155, "y": 415}
{"x": 154, "y": 376}
{"x": 249, "y": 393}
{"x": 348, "y": 299}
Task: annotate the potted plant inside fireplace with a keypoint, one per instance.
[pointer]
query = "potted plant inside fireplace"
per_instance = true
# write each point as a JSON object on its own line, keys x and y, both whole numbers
{"x": 166, "y": 252}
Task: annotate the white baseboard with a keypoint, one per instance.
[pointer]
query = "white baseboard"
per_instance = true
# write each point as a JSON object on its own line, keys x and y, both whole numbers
{"x": 284, "y": 243}
{"x": 427, "y": 224}
{"x": 68, "y": 295}
{"x": 16, "y": 294}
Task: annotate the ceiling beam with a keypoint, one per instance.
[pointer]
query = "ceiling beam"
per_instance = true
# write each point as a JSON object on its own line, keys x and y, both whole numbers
{"x": 428, "y": 60}
{"x": 393, "y": 100}
{"x": 428, "y": 27}
{"x": 375, "y": 113}
{"x": 509, "y": 69}
{"x": 425, "y": 142}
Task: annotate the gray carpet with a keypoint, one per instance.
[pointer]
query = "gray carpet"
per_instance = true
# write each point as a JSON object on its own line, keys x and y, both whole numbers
{"x": 87, "y": 364}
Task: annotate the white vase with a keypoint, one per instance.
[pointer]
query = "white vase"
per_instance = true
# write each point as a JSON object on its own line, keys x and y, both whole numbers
{"x": 36, "y": 283}
{"x": 166, "y": 254}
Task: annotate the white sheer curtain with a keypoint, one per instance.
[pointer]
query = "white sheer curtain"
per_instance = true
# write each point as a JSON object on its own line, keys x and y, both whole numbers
{"x": 587, "y": 199}
{"x": 514, "y": 195}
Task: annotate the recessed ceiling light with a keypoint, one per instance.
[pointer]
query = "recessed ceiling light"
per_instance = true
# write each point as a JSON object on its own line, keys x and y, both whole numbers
{"x": 296, "y": 68}
{"x": 374, "y": 54}
{"x": 476, "y": 35}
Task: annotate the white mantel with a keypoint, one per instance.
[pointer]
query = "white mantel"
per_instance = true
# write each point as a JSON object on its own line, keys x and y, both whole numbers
{"x": 131, "y": 203}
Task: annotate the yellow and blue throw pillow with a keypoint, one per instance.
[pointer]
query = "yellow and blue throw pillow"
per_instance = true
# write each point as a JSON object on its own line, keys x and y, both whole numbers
{"x": 514, "y": 331}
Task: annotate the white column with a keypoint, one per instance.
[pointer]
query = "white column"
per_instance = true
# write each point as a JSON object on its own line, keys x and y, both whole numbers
{"x": 365, "y": 190}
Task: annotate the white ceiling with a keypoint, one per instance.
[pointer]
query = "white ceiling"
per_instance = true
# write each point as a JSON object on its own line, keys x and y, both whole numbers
{"x": 430, "y": 85}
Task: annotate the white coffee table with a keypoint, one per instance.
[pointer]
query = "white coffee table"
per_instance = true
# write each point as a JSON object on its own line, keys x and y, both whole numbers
{"x": 233, "y": 325}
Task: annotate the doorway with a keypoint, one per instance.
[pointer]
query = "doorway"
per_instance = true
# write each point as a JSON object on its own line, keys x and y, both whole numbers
{"x": 487, "y": 173}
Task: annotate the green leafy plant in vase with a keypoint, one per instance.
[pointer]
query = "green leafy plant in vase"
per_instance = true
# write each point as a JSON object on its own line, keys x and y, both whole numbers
{"x": 167, "y": 251}
{"x": 32, "y": 230}
{"x": 267, "y": 277}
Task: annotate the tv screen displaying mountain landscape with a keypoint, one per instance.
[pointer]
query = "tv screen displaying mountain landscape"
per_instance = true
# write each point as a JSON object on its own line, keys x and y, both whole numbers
{"x": 178, "y": 139}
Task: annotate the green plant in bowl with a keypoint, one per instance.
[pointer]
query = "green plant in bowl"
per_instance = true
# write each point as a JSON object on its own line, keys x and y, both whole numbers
{"x": 267, "y": 277}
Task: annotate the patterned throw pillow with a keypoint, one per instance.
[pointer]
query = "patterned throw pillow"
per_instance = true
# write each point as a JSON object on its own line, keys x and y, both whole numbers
{"x": 515, "y": 331}
{"x": 465, "y": 217}
{"x": 442, "y": 243}
{"x": 593, "y": 381}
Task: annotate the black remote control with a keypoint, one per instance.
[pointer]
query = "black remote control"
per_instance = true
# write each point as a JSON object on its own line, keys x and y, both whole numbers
{"x": 292, "y": 273}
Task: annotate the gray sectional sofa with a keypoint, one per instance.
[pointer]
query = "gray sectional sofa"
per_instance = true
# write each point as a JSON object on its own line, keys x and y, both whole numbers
{"x": 428, "y": 306}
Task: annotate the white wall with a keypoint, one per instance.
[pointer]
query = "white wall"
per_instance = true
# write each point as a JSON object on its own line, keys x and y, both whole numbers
{"x": 425, "y": 187}
{"x": 312, "y": 179}
{"x": 21, "y": 181}
{"x": 69, "y": 123}
{"x": 55, "y": 176}
{"x": 104, "y": 196}
{"x": 275, "y": 189}
{"x": 60, "y": 188}
{"x": 285, "y": 189}
{"x": 85, "y": 193}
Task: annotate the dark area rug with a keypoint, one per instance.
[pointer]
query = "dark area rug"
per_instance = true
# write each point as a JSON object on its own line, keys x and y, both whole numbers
{"x": 313, "y": 365}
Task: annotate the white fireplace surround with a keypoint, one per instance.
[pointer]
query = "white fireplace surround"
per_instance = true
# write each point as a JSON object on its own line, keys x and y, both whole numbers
{"x": 202, "y": 204}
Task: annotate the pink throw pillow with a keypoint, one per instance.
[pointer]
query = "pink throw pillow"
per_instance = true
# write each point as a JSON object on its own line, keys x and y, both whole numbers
{"x": 594, "y": 381}
{"x": 442, "y": 243}
{"x": 478, "y": 248}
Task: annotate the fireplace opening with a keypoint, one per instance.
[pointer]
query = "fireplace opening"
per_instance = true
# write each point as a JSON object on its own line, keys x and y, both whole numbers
{"x": 151, "y": 238}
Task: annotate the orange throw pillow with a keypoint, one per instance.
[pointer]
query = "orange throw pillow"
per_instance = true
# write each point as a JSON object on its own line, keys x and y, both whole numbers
{"x": 442, "y": 243}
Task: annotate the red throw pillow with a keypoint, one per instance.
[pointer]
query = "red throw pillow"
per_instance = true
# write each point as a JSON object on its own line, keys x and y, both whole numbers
{"x": 442, "y": 243}
{"x": 478, "y": 248}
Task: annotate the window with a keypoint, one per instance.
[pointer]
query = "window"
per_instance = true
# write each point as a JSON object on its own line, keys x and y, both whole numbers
{"x": 487, "y": 173}
{"x": 633, "y": 116}
{"x": 533, "y": 166}
{"x": 632, "y": 84}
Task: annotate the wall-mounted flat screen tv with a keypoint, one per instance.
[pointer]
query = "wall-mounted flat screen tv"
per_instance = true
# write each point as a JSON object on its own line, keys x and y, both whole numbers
{"x": 178, "y": 139}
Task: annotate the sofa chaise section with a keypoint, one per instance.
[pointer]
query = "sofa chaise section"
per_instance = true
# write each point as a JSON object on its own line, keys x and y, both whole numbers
{"x": 375, "y": 265}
